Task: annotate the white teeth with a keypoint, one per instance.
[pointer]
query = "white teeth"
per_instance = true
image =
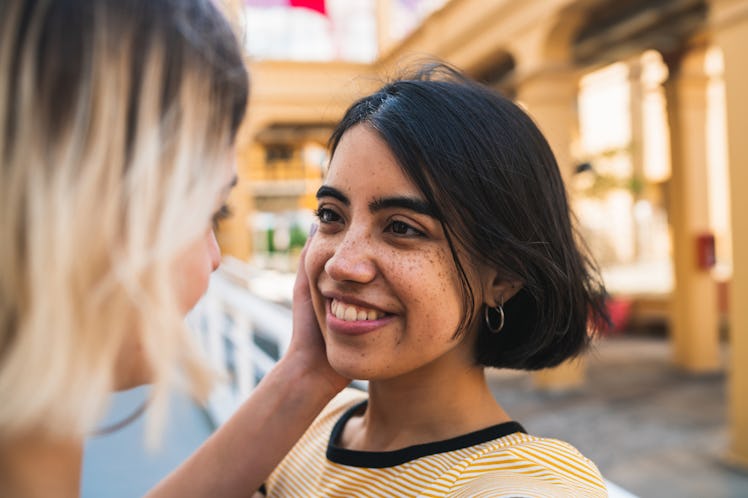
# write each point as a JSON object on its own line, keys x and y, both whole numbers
{"x": 352, "y": 313}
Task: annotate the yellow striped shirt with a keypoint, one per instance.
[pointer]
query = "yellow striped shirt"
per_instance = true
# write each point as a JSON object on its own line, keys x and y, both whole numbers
{"x": 500, "y": 461}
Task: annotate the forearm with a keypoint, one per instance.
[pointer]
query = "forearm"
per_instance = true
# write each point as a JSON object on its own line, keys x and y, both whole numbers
{"x": 239, "y": 456}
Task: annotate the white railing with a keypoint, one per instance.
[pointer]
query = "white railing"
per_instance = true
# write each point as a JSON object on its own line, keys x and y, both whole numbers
{"x": 242, "y": 335}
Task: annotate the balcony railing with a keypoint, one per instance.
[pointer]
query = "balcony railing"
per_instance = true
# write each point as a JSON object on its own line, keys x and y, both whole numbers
{"x": 242, "y": 335}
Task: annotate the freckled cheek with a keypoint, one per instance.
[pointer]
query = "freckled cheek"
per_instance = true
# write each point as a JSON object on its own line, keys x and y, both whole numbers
{"x": 437, "y": 282}
{"x": 434, "y": 269}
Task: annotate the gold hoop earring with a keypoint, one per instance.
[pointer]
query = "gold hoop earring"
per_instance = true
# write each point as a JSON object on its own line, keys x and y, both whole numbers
{"x": 494, "y": 318}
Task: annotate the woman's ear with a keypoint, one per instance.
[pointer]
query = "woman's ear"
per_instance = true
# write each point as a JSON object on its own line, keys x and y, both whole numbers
{"x": 497, "y": 288}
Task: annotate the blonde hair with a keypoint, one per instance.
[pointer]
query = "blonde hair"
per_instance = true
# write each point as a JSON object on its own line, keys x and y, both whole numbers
{"x": 116, "y": 118}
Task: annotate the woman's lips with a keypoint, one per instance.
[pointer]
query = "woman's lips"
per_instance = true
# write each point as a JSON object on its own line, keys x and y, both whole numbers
{"x": 351, "y": 319}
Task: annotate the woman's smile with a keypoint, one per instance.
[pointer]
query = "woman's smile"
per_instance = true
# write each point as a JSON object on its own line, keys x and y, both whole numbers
{"x": 344, "y": 318}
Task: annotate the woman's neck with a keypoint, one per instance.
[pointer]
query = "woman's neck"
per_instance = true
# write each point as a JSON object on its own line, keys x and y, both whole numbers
{"x": 40, "y": 467}
{"x": 425, "y": 406}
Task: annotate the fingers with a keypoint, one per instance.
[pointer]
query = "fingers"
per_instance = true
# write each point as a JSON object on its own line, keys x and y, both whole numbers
{"x": 301, "y": 285}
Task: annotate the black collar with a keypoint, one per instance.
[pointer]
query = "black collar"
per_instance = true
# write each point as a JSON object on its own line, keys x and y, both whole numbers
{"x": 382, "y": 459}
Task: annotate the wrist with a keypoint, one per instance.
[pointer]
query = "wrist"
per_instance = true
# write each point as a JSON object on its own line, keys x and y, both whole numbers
{"x": 299, "y": 372}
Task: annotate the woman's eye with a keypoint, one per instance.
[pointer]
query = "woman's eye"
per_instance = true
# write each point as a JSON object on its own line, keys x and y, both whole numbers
{"x": 401, "y": 228}
{"x": 223, "y": 213}
{"x": 326, "y": 215}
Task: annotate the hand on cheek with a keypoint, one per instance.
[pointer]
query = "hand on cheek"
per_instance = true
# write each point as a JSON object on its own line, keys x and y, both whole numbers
{"x": 307, "y": 344}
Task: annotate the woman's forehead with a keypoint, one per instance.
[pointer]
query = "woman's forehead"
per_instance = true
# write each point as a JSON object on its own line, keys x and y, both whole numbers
{"x": 363, "y": 160}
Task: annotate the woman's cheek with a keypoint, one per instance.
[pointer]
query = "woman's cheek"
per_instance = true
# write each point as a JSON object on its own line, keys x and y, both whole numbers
{"x": 193, "y": 268}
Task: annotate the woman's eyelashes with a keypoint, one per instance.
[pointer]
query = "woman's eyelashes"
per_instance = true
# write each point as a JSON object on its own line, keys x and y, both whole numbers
{"x": 398, "y": 228}
{"x": 223, "y": 213}
{"x": 401, "y": 228}
{"x": 326, "y": 215}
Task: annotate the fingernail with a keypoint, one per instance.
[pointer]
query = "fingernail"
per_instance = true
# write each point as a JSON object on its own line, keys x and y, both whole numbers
{"x": 312, "y": 230}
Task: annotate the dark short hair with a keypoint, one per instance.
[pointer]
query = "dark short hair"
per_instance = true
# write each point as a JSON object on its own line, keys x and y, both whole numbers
{"x": 493, "y": 182}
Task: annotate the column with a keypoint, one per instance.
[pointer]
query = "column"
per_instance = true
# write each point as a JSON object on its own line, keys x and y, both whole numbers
{"x": 384, "y": 22}
{"x": 637, "y": 92}
{"x": 549, "y": 96}
{"x": 694, "y": 320}
{"x": 729, "y": 20}
{"x": 234, "y": 236}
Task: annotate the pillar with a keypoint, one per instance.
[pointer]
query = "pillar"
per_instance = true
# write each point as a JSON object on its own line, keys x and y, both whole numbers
{"x": 694, "y": 321}
{"x": 729, "y": 21}
{"x": 549, "y": 96}
{"x": 234, "y": 235}
{"x": 637, "y": 91}
{"x": 384, "y": 23}
{"x": 636, "y": 98}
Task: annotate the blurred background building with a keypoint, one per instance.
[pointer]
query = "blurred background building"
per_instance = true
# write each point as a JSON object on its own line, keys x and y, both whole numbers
{"x": 644, "y": 102}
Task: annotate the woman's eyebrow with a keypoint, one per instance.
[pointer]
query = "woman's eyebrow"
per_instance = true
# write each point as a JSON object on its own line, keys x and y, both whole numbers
{"x": 404, "y": 202}
{"x": 410, "y": 203}
{"x": 327, "y": 191}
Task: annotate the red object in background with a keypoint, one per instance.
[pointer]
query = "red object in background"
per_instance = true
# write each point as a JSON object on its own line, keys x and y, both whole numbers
{"x": 619, "y": 311}
{"x": 315, "y": 5}
{"x": 705, "y": 253}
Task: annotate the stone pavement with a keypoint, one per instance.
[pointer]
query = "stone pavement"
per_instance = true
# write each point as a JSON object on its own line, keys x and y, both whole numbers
{"x": 651, "y": 429}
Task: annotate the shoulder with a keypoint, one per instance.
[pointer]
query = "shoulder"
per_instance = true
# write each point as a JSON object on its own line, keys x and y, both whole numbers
{"x": 346, "y": 399}
{"x": 320, "y": 429}
{"x": 521, "y": 465}
{"x": 299, "y": 472}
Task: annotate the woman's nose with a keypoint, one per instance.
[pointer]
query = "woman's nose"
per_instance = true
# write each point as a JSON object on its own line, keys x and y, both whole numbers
{"x": 352, "y": 260}
{"x": 214, "y": 251}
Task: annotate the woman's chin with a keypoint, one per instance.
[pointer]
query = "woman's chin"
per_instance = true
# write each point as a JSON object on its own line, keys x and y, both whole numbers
{"x": 356, "y": 371}
{"x": 353, "y": 372}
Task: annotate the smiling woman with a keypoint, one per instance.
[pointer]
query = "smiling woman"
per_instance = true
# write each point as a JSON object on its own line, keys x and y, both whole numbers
{"x": 445, "y": 246}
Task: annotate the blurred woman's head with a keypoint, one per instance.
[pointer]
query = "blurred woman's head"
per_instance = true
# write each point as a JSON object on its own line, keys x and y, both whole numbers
{"x": 117, "y": 122}
{"x": 486, "y": 173}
